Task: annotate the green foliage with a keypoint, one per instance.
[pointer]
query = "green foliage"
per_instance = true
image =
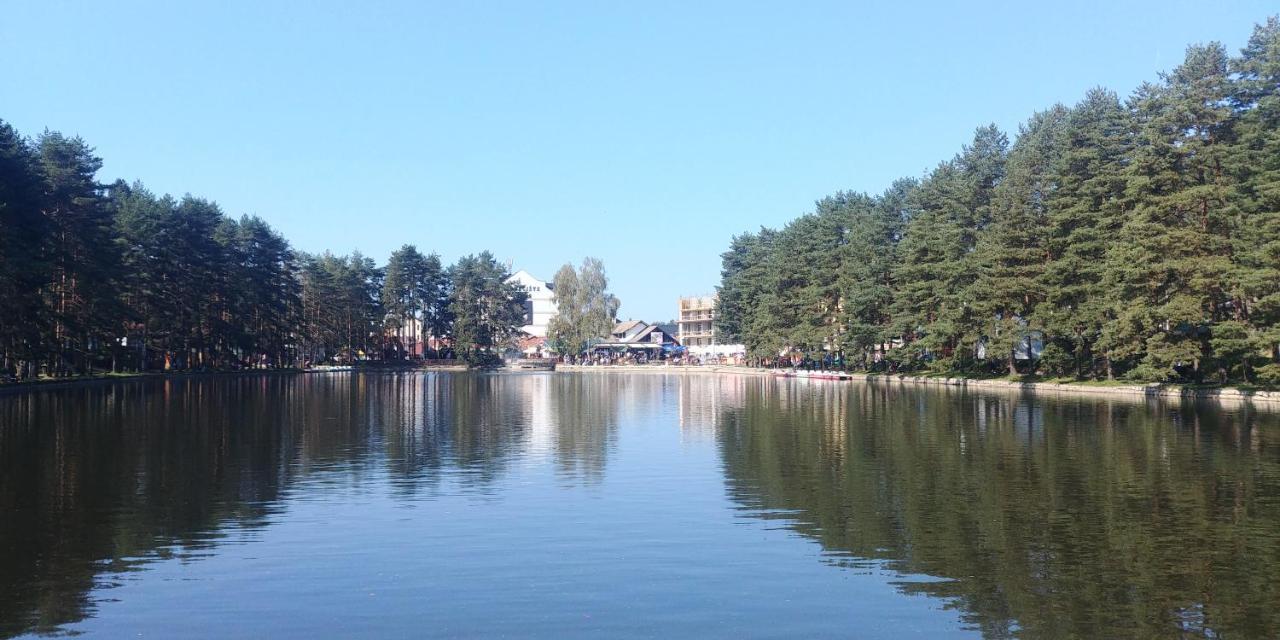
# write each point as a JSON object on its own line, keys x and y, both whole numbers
{"x": 1233, "y": 347}
{"x": 1141, "y": 239}
{"x": 341, "y": 307}
{"x": 1084, "y": 211}
{"x": 1056, "y": 360}
{"x": 867, "y": 258}
{"x": 1269, "y": 374}
{"x": 937, "y": 277}
{"x": 586, "y": 309}
{"x": 1044, "y": 519}
{"x": 1012, "y": 252}
{"x": 487, "y": 310}
{"x": 23, "y": 269}
{"x": 114, "y": 276}
{"x": 415, "y": 298}
{"x": 743, "y": 282}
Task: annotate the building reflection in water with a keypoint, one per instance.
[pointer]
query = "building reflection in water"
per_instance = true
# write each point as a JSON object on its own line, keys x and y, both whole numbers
{"x": 1039, "y": 516}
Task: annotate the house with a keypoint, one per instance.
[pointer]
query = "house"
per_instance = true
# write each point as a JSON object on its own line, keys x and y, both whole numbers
{"x": 635, "y": 337}
{"x": 624, "y": 331}
{"x": 533, "y": 347}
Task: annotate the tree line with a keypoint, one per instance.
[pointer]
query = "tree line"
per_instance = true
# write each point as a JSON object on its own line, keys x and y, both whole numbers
{"x": 1134, "y": 238}
{"x": 114, "y": 277}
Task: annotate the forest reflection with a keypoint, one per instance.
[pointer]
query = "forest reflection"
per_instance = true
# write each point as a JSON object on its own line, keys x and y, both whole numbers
{"x": 1043, "y": 517}
{"x": 1028, "y": 516}
{"x": 99, "y": 480}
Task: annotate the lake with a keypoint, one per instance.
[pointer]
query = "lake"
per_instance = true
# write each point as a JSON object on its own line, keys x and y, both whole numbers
{"x": 555, "y": 505}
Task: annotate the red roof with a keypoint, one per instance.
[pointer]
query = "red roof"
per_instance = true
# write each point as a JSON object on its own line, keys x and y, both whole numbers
{"x": 529, "y": 342}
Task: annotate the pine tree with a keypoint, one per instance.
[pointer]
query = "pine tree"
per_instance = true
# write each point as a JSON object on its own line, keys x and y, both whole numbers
{"x": 934, "y": 307}
{"x": 402, "y": 295}
{"x": 1013, "y": 250}
{"x": 799, "y": 301}
{"x": 1085, "y": 212}
{"x": 1256, "y": 165}
{"x": 487, "y": 310}
{"x": 264, "y": 291}
{"x": 23, "y": 270}
{"x": 80, "y": 251}
{"x": 151, "y": 279}
{"x": 1174, "y": 255}
{"x": 867, "y": 260}
{"x": 931, "y": 257}
{"x": 742, "y": 282}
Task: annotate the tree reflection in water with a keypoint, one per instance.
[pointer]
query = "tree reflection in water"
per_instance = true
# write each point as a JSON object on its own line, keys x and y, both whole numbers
{"x": 1045, "y": 516}
{"x": 1035, "y": 516}
{"x": 102, "y": 479}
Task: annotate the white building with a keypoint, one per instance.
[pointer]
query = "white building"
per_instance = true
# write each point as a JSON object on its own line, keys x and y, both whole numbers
{"x": 696, "y": 322}
{"x": 541, "y": 306}
{"x": 696, "y": 315}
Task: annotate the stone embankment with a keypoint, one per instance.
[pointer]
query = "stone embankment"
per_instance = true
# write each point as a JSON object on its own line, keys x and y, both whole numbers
{"x": 1271, "y": 398}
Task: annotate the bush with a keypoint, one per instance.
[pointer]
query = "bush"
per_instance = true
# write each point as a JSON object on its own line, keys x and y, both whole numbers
{"x": 1055, "y": 360}
{"x": 477, "y": 359}
{"x": 1148, "y": 372}
{"x": 1268, "y": 375}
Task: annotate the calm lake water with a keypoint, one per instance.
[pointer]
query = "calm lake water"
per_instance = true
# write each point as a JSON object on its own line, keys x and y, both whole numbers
{"x": 618, "y": 505}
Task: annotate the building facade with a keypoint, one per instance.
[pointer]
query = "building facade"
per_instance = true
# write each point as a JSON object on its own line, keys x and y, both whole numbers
{"x": 696, "y": 323}
{"x": 540, "y": 308}
{"x": 694, "y": 320}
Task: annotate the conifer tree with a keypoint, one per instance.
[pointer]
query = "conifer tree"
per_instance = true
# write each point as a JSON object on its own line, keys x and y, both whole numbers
{"x": 742, "y": 282}
{"x": 1173, "y": 253}
{"x": 1256, "y": 164}
{"x": 487, "y": 309}
{"x": 1013, "y": 251}
{"x": 403, "y": 295}
{"x": 934, "y": 306}
{"x": 79, "y": 250}
{"x": 867, "y": 259}
{"x": 1084, "y": 213}
{"x": 23, "y": 270}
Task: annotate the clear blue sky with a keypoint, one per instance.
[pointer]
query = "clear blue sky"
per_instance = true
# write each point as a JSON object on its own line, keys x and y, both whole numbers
{"x": 645, "y": 134}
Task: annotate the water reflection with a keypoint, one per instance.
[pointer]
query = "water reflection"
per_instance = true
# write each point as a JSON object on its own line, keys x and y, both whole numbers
{"x": 103, "y": 479}
{"x": 1046, "y": 517}
{"x": 1035, "y": 517}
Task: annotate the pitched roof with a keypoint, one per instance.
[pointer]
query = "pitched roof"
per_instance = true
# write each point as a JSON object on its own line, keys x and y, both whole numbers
{"x": 644, "y": 333}
{"x": 528, "y": 342}
{"x": 623, "y": 327}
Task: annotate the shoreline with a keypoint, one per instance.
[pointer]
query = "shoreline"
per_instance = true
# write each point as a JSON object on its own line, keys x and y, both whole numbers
{"x": 1270, "y": 399}
{"x": 49, "y": 384}
{"x": 1149, "y": 390}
